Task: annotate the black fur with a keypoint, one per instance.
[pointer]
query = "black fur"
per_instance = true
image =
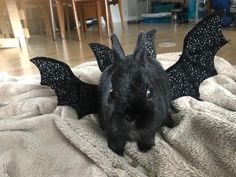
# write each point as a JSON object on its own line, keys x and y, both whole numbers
{"x": 134, "y": 90}
{"x": 125, "y": 111}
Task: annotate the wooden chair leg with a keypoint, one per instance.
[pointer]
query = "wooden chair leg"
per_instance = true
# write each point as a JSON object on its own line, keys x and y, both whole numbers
{"x": 23, "y": 17}
{"x": 67, "y": 20}
{"x": 76, "y": 20}
{"x": 108, "y": 18}
{"x": 46, "y": 21}
{"x": 81, "y": 18}
{"x": 121, "y": 13}
{"x": 61, "y": 18}
{"x": 3, "y": 22}
{"x": 15, "y": 22}
{"x": 111, "y": 25}
{"x": 84, "y": 24}
{"x": 98, "y": 4}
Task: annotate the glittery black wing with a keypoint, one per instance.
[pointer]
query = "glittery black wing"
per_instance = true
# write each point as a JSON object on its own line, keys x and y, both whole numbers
{"x": 70, "y": 90}
{"x": 104, "y": 55}
{"x": 197, "y": 60}
{"x": 150, "y": 44}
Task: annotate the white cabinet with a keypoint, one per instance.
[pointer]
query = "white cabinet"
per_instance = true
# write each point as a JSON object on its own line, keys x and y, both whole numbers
{"x": 135, "y": 8}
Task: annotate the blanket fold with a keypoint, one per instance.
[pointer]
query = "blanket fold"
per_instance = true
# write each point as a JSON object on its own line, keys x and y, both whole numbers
{"x": 39, "y": 138}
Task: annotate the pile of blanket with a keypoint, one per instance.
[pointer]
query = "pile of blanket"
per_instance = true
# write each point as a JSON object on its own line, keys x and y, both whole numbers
{"x": 40, "y": 139}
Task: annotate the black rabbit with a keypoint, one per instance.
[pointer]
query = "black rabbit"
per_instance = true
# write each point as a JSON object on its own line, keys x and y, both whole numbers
{"x": 135, "y": 93}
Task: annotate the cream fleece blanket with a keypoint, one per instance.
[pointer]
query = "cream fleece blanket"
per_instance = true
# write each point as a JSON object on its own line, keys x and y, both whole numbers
{"x": 40, "y": 139}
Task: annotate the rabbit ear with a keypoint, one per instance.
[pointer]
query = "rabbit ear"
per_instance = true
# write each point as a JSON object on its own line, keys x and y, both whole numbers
{"x": 104, "y": 55}
{"x": 140, "y": 42}
{"x": 117, "y": 46}
{"x": 150, "y": 44}
{"x": 145, "y": 47}
{"x": 140, "y": 52}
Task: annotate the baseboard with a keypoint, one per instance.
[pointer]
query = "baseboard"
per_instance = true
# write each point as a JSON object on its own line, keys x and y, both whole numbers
{"x": 134, "y": 20}
{"x": 9, "y": 43}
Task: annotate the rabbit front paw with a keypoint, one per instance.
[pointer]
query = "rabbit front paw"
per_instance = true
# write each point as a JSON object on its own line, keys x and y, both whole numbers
{"x": 146, "y": 145}
{"x": 117, "y": 147}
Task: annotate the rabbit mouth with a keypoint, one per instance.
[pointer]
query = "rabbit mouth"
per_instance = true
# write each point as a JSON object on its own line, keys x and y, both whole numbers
{"x": 129, "y": 119}
{"x": 134, "y": 134}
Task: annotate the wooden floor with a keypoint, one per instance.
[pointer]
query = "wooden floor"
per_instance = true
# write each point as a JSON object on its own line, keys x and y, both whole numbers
{"x": 16, "y": 62}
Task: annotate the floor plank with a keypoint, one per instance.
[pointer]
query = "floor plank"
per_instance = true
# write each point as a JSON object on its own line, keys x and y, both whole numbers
{"x": 16, "y": 62}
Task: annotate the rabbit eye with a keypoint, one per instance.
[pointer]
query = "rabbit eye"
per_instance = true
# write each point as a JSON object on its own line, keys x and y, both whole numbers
{"x": 149, "y": 93}
{"x": 112, "y": 94}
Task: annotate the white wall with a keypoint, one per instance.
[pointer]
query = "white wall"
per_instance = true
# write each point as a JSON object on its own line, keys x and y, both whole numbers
{"x": 116, "y": 14}
{"x": 136, "y": 8}
{"x": 132, "y": 10}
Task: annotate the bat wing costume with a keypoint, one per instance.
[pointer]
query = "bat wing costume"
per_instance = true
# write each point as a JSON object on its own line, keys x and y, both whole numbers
{"x": 194, "y": 65}
{"x": 70, "y": 90}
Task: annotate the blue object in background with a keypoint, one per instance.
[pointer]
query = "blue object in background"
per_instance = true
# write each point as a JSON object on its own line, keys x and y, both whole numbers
{"x": 159, "y": 8}
{"x": 157, "y": 20}
{"x": 162, "y": 7}
{"x": 223, "y": 4}
{"x": 191, "y": 9}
